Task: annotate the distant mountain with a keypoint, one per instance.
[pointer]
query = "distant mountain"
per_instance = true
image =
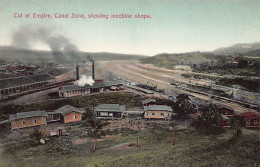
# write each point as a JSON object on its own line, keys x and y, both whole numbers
{"x": 12, "y": 54}
{"x": 106, "y": 56}
{"x": 238, "y": 48}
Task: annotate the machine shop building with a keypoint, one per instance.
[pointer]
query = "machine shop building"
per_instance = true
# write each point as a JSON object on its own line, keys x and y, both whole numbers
{"x": 75, "y": 90}
{"x": 13, "y": 85}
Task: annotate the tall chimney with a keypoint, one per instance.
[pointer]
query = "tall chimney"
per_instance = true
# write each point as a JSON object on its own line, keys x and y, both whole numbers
{"x": 77, "y": 72}
{"x": 93, "y": 70}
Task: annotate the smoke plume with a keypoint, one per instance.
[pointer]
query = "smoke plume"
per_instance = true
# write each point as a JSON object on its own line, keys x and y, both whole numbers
{"x": 62, "y": 48}
{"x": 83, "y": 80}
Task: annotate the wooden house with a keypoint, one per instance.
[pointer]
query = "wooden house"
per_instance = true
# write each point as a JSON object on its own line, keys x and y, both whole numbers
{"x": 66, "y": 114}
{"x": 252, "y": 119}
{"x": 28, "y": 119}
{"x": 158, "y": 112}
{"x": 110, "y": 111}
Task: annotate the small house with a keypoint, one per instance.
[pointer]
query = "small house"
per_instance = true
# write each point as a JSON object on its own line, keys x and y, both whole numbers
{"x": 158, "y": 112}
{"x": 110, "y": 111}
{"x": 252, "y": 119}
{"x": 28, "y": 119}
{"x": 148, "y": 102}
{"x": 226, "y": 111}
{"x": 66, "y": 114}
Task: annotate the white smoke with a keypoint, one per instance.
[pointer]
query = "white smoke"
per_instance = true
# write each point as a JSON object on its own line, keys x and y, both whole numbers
{"x": 83, "y": 80}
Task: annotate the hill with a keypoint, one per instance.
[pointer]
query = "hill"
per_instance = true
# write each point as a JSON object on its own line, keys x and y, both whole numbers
{"x": 169, "y": 60}
{"x": 106, "y": 56}
{"x": 252, "y": 54}
{"x": 238, "y": 48}
{"x": 12, "y": 54}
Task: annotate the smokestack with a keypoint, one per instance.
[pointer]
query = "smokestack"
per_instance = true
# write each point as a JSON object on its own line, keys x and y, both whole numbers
{"x": 77, "y": 72}
{"x": 93, "y": 70}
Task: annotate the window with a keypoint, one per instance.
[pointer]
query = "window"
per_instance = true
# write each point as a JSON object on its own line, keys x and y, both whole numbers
{"x": 35, "y": 121}
{"x": 255, "y": 122}
{"x": 162, "y": 114}
{"x": 248, "y": 122}
{"x": 153, "y": 113}
{"x": 74, "y": 116}
{"x": 105, "y": 114}
{"x": 23, "y": 122}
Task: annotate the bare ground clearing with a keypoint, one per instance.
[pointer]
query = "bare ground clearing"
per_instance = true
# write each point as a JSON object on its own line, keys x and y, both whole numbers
{"x": 142, "y": 73}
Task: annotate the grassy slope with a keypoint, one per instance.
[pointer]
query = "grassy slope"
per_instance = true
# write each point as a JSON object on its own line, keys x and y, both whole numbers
{"x": 191, "y": 149}
{"x": 168, "y": 60}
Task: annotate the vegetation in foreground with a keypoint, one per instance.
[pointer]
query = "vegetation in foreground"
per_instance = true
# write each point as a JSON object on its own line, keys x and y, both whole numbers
{"x": 191, "y": 149}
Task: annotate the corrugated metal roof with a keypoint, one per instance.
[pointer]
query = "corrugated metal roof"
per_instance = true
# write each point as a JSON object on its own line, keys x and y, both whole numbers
{"x": 15, "y": 81}
{"x": 27, "y": 115}
{"x": 98, "y": 85}
{"x": 158, "y": 108}
{"x": 113, "y": 83}
{"x": 67, "y": 109}
{"x": 105, "y": 84}
{"x": 23, "y": 80}
{"x": 41, "y": 77}
{"x": 110, "y": 108}
{"x": 69, "y": 88}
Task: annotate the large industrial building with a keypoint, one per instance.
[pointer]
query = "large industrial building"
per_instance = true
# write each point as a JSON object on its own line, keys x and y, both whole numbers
{"x": 13, "y": 85}
{"x": 24, "y": 83}
{"x": 101, "y": 86}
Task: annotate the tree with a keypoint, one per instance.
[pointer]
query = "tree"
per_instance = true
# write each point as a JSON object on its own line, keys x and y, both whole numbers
{"x": 182, "y": 105}
{"x": 237, "y": 124}
{"x": 96, "y": 129}
{"x": 210, "y": 120}
{"x": 37, "y": 135}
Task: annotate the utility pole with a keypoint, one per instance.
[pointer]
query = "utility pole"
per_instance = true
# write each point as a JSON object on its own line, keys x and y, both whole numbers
{"x": 173, "y": 133}
{"x": 93, "y": 108}
{"x": 138, "y": 136}
{"x": 173, "y": 138}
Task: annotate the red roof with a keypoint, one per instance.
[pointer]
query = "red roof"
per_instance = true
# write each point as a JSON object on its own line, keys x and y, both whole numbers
{"x": 249, "y": 115}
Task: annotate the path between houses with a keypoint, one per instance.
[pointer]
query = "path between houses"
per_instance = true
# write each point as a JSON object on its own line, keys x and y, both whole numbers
{"x": 89, "y": 139}
{"x": 121, "y": 146}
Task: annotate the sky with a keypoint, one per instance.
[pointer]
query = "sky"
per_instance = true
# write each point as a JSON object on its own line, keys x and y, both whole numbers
{"x": 175, "y": 26}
